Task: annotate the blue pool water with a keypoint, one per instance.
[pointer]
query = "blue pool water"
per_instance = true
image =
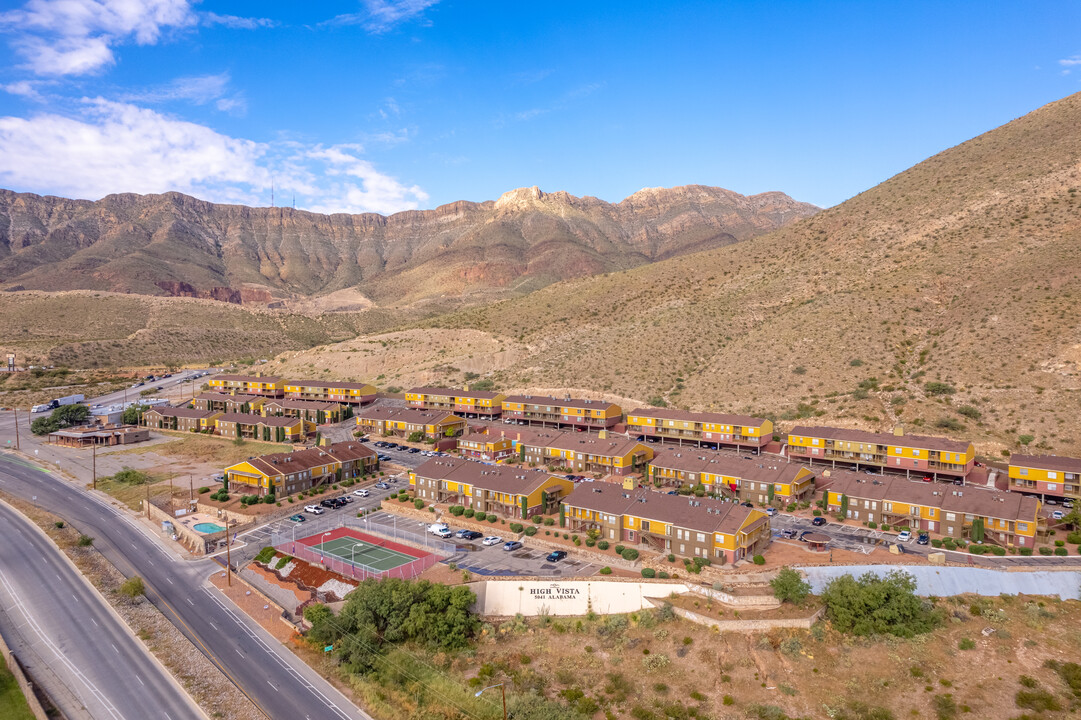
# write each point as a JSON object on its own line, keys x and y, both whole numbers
{"x": 207, "y": 528}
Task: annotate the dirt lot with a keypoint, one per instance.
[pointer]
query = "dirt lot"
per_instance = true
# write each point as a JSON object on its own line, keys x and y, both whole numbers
{"x": 649, "y": 670}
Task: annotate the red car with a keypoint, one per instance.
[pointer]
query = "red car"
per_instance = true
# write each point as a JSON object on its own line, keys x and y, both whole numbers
{"x": 928, "y": 478}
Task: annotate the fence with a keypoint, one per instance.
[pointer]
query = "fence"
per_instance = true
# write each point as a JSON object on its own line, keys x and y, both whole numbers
{"x": 312, "y": 554}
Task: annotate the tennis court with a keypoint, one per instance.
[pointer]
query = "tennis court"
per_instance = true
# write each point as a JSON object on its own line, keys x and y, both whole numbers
{"x": 356, "y": 554}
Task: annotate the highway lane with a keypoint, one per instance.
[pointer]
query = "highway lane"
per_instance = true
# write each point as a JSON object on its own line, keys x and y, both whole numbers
{"x": 276, "y": 680}
{"x": 55, "y": 617}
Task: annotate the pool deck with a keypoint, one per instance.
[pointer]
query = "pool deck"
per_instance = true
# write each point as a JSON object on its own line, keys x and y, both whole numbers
{"x": 192, "y": 519}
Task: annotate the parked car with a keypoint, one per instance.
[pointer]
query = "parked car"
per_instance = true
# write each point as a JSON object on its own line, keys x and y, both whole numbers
{"x": 788, "y": 534}
{"x": 445, "y": 533}
{"x": 819, "y": 521}
{"x": 748, "y": 504}
{"x": 671, "y": 492}
{"x": 512, "y": 545}
{"x": 1058, "y": 515}
{"x": 1068, "y": 504}
{"x": 958, "y": 481}
{"x": 928, "y": 478}
{"x": 329, "y": 503}
{"x": 556, "y": 556}
{"x": 414, "y": 451}
{"x": 1050, "y": 501}
{"x": 382, "y": 485}
{"x": 771, "y": 511}
{"x": 491, "y": 540}
{"x": 297, "y": 518}
{"x": 363, "y": 492}
{"x": 923, "y": 539}
{"x": 904, "y": 536}
{"x": 314, "y": 509}
{"x": 342, "y": 501}
{"x": 439, "y": 529}
{"x": 470, "y": 535}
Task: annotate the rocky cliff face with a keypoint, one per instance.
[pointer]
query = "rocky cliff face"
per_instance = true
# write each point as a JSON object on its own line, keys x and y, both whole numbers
{"x": 173, "y": 244}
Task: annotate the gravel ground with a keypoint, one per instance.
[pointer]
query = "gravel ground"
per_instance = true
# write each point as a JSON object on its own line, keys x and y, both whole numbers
{"x": 216, "y": 695}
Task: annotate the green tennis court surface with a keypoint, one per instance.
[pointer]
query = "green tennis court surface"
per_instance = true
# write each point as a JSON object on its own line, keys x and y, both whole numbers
{"x": 363, "y": 554}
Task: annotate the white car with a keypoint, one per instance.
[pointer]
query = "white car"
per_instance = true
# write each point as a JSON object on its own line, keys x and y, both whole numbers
{"x": 314, "y": 509}
{"x": 904, "y": 536}
{"x": 492, "y": 540}
{"x": 1058, "y": 515}
{"x": 361, "y": 492}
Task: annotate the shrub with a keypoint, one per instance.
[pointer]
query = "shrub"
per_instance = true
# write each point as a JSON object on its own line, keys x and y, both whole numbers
{"x": 85, "y": 541}
{"x": 537, "y": 519}
{"x": 606, "y": 570}
{"x": 1045, "y": 551}
{"x": 649, "y": 572}
{"x": 1060, "y": 543}
{"x": 872, "y": 525}
{"x": 728, "y": 700}
{"x": 456, "y": 510}
{"x": 759, "y": 560}
{"x": 662, "y": 574}
{"x": 264, "y": 556}
{"x": 629, "y": 554}
{"x": 1037, "y": 700}
{"x": 966, "y": 644}
{"x": 671, "y": 557}
{"x": 789, "y": 585}
{"x": 418, "y": 504}
{"x": 1026, "y": 551}
{"x": 469, "y": 512}
{"x": 492, "y": 518}
{"x": 1060, "y": 551}
{"x": 133, "y": 587}
{"x": 530, "y": 531}
{"x": 549, "y": 522}
{"x": 590, "y": 542}
{"x": 936, "y": 543}
{"x": 578, "y": 541}
{"x": 999, "y": 551}
{"x": 516, "y": 527}
{"x": 602, "y": 544}
{"x": 977, "y": 549}
{"x": 816, "y": 513}
{"x": 619, "y": 549}
{"x": 204, "y": 490}
{"x": 873, "y": 605}
{"x": 282, "y": 562}
{"x": 480, "y": 516}
{"x": 59, "y": 524}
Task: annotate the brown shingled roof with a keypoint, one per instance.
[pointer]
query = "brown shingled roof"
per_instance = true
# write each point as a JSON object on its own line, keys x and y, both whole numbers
{"x": 560, "y": 402}
{"x": 247, "y": 419}
{"x": 611, "y": 446}
{"x": 222, "y": 397}
{"x": 408, "y": 415}
{"x": 698, "y": 417}
{"x": 699, "y": 514}
{"x": 1047, "y": 462}
{"x": 290, "y": 404}
{"x": 909, "y": 441}
{"x": 453, "y": 392}
{"x": 759, "y": 469}
{"x": 247, "y": 378}
{"x": 166, "y": 411}
{"x": 495, "y": 478}
{"x": 326, "y": 384}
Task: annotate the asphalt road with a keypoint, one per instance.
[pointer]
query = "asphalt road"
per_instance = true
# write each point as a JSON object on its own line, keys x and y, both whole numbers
{"x": 71, "y": 641}
{"x": 277, "y": 681}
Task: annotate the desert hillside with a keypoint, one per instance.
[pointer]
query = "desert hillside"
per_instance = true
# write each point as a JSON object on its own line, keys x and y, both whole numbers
{"x": 962, "y": 270}
{"x": 176, "y": 245}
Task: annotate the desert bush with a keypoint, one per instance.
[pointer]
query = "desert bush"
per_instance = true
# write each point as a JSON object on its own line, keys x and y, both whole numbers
{"x": 606, "y": 570}
{"x": 759, "y": 560}
{"x": 480, "y": 516}
{"x": 629, "y": 554}
{"x": 602, "y": 544}
{"x": 649, "y": 572}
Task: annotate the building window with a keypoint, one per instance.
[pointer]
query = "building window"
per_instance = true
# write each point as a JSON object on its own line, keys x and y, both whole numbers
{"x": 701, "y": 537}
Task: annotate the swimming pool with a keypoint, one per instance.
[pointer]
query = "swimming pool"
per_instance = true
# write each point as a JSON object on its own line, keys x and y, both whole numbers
{"x": 207, "y": 528}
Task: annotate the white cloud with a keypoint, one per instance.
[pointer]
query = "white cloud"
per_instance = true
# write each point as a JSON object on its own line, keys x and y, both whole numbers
{"x": 239, "y": 23}
{"x": 23, "y": 88}
{"x": 199, "y": 89}
{"x": 380, "y": 16}
{"x": 76, "y": 37}
{"x": 113, "y": 147}
{"x": 1070, "y": 61}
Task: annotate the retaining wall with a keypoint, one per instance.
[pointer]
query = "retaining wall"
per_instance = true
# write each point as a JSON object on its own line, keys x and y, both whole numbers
{"x": 23, "y": 682}
{"x": 749, "y": 625}
{"x": 505, "y": 598}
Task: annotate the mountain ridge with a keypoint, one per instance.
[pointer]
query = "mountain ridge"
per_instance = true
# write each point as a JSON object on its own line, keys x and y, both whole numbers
{"x": 175, "y": 244}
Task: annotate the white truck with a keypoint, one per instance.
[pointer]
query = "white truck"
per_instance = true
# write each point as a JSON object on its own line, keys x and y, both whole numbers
{"x": 69, "y": 400}
{"x": 42, "y": 408}
{"x": 439, "y": 530}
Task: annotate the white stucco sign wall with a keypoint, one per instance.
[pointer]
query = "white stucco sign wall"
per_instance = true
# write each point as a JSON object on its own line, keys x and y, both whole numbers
{"x": 571, "y": 597}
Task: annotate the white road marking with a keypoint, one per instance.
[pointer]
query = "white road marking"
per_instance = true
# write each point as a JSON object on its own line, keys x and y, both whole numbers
{"x": 95, "y": 622}
{"x": 272, "y": 685}
{"x": 190, "y": 602}
{"x": 115, "y": 648}
{"x": 140, "y": 681}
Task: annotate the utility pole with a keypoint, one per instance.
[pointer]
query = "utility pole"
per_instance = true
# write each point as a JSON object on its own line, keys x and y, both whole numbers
{"x": 147, "y": 483}
{"x": 191, "y": 488}
{"x": 94, "y": 449}
{"x": 228, "y": 558}
{"x": 16, "y": 428}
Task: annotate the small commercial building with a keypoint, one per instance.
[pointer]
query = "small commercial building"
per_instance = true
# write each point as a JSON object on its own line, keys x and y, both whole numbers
{"x": 686, "y": 526}
{"x": 89, "y": 435}
{"x": 508, "y": 491}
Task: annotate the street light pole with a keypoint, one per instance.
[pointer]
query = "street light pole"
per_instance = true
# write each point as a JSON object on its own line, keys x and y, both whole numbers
{"x": 322, "y": 543}
{"x": 16, "y": 428}
{"x": 94, "y": 450}
{"x": 502, "y": 687}
{"x": 228, "y": 556}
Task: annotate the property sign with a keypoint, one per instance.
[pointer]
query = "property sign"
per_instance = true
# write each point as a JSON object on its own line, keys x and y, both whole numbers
{"x": 11, "y": 362}
{"x": 555, "y": 592}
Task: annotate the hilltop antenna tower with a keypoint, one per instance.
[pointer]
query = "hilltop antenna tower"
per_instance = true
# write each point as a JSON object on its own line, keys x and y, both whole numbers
{"x": 271, "y": 193}
{"x": 294, "y": 201}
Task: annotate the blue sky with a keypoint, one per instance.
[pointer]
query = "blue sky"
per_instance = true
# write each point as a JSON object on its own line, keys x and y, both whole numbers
{"x": 387, "y": 105}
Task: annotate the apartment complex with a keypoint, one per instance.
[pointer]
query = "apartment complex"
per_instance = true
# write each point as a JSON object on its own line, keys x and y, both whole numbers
{"x": 700, "y": 428}
{"x": 348, "y": 393}
{"x": 462, "y": 402}
{"x": 600, "y": 453}
{"x": 1007, "y": 518}
{"x": 561, "y": 412}
{"x": 263, "y": 386}
{"x": 300, "y": 470}
{"x": 511, "y": 492}
{"x": 762, "y": 480}
{"x": 319, "y": 413}
{"x": 482, "y": 446}
{"x": 164, "y": 417}
{"x": 267, "y": 429}
{"x": 403, "y": 422}
{"x": 687, "y": 526}
{"x": 1046, "y": 475}
{"x": 228, "y": 402}
{"x": 896, "y": 451}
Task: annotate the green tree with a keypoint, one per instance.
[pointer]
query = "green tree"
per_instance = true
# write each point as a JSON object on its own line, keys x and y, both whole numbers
{"x": 789, "y": 585}
{"x": 977, "y": 529}
{"x": 416, "y": 436}
{"x": 44, "y": 425}
{"x": 769, "y": 493}
{"x": 875, "y": 605}
{"x": 844, "y": 505}
{"x": 70, "y": 415}
{"x": 134, "y": 414}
